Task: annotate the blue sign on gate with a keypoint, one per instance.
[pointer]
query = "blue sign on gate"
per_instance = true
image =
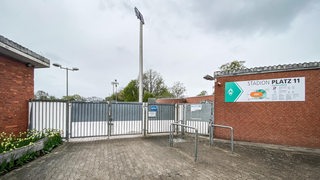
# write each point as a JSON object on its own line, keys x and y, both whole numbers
{"x": 154, "y": 108}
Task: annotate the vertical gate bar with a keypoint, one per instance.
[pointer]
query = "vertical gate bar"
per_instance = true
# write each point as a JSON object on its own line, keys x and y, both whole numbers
{"x": 109, "y": 119}
{"x": 58, "y": 116}
{"x": 67, "y": 121}
{"x": 170, "y": 135}
{"x": 76, "y": 119}
{"x": 144, "y": 118}
{"x": 42, "y": 116}
{"x": 85, "y": 116}
{"x": 89, "y": 120}
{"x": 105, "y": 118}
{"x": 126, "y": 113}
{"x": 98, "y": 120}
{"x": 93, "y": 114}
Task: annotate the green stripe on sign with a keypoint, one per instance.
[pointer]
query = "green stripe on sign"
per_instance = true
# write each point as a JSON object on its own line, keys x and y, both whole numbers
{"x": 232, "y": 92}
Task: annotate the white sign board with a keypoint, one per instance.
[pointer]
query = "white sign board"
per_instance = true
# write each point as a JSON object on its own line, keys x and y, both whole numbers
{"x": 152, "y": 114}
{"x": 281, "y": 89}
{"x": 196, "y": 107}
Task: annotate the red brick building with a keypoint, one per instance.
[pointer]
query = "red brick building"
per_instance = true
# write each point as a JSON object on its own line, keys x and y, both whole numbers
{"x": 276, "y": 104}
{"x": 17, "y": 65}
{"x": 191, "y": 100}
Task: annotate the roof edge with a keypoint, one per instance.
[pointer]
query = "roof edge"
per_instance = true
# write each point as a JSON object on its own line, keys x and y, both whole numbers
{"x": 20, "y": 53}
{"x": 270, "y": 69}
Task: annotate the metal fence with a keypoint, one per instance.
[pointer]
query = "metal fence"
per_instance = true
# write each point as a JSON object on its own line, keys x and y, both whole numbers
{"x": 48, "y": 115}
{"x": 89, "y": 119}
{"x": 199, "y": 116}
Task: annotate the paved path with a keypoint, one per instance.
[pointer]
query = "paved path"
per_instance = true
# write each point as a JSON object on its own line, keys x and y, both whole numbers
{"x": 152, "y": 158}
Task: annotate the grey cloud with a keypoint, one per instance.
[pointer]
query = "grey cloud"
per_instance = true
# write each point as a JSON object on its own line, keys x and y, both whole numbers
{"x": 247, "y": 17}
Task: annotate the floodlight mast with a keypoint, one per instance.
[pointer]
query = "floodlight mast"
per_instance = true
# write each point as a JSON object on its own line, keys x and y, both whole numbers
{"x": 140, "y": 17}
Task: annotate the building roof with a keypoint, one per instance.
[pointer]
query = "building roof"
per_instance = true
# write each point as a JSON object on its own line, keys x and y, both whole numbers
{"x": 20, "y": 53}
{"x": 269, "y": 69}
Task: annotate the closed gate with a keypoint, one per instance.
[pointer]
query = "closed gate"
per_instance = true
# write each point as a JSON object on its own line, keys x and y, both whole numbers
{"x": 159, "y": 117}
{"x": 90, "y": 119}
{"x": 126, "y": 118}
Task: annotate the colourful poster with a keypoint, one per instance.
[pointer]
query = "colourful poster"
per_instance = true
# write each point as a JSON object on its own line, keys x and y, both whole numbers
{"x": 281, "y": 89}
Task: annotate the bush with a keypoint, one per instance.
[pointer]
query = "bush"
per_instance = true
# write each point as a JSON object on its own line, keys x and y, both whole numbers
{"x": 10, "y": 142}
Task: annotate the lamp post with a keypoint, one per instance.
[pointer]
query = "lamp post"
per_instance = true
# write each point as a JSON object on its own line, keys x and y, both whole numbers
{"x": 115, "y": 84}
{"x": 140, "y": 17}
{"x": 67, "y": 69}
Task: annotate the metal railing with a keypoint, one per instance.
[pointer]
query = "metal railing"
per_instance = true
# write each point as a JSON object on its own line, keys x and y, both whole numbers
{"x": 211, "y": 125}
{"x": 172, "y": 128}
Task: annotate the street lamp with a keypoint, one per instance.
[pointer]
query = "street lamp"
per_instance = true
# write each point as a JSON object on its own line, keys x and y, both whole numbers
{"x": 115, "y": 84}
{"x": 67, "y": 69}
{"x": 140, "y": 17}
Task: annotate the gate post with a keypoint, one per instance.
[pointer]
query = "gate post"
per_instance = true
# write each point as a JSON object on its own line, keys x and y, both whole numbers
{"x": 176, "y": 117}
{"x": 109, "y": 118}
{"x": 144, "y": 118}
{"x": 184, "y": 120}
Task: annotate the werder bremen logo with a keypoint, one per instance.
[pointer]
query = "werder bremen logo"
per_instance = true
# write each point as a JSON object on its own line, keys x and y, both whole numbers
{"x": 232, "y": 92}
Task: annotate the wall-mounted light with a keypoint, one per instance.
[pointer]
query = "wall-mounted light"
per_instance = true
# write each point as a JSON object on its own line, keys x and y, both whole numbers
{"x": 29, "y": 65}
{"x": 208, "y": 77}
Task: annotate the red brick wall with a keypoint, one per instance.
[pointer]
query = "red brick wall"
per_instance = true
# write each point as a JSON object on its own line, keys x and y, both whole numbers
{"x": 16, "y": 88}
{"x": 286, "y": 123}
{"x": 199, "y": 99}
{"x": 191, "y": 100}
{"x": 170, "y": 101}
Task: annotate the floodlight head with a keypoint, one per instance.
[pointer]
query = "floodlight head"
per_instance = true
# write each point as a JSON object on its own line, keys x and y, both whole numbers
{"x": 139, "y": 15}
{"x": 56, "y": 64}
{"x": 75, "y": 69}
{"x": 208, "y": 77}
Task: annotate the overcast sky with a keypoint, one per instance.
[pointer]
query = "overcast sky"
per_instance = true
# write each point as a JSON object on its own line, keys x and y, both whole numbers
{"x": 183, "y": 40}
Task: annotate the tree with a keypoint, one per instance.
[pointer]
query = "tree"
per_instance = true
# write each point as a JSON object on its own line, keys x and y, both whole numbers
{"x": 42, "y": 95}
{"x": 178, "y": 89}
{"x": 153, "y": 87}
{"x": 75, "y": 97}
{"x": 93, "y": 99}
{"x": 234, "y": 65}
{"x": 153, "y": 83}
{"x": 130, "y": 93}
{"x": 203, "y": 93}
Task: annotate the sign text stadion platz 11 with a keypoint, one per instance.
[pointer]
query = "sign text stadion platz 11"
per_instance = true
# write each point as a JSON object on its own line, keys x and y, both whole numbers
{"x": 281, "y": 89}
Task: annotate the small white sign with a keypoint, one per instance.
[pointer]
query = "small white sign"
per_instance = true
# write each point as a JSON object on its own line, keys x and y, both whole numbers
{"x": 152, "y": 114}
{"x": 196, "y": 107}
